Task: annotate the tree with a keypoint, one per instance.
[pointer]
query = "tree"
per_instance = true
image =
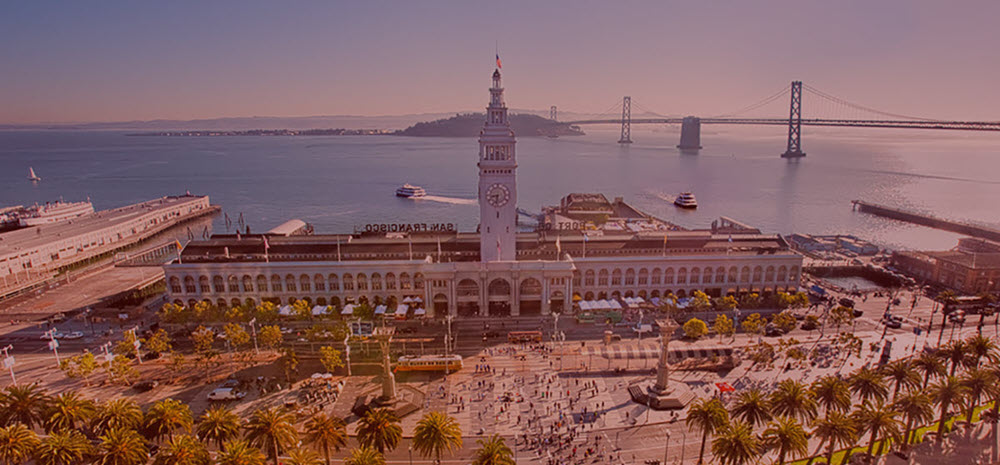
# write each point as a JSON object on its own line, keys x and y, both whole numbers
{"x": 23, "y": 404}
{"x": 120, "y": 446}
{"x": 841, "y": 316}
{"x": 62, "y": 448}
{"x": 793, "y": 399}
{"x": 120, "y": 413}
{"x": 126, "y": 346}
{"x": 435, "y": 433}
{"x": 709, "y": 416}
{"x": 879, "y": 419}
{"x": 325, "y": 432}
{"x": 785, "y": 321}
{"x": 955, "y": 352}
{"x": 17, "y": 443}
{"x": 980, "y": 348}
{"x": 330, "y": 358}
{"x": 492, "y": 451}
{"x": 236, "y": 335}
{"x": 903, "y": 374}
{"x": 218, "y": 424}
{"x": 726, "y": 304}
{"x": 751, "y": 406}
{"x": 364, "y": 456}
{"x": 868, "y": 384}
{"x": 695, "y": 329}
{"x": 289, "y": 363}
{"x": 302, "y": 310}
{"x": 700, "y": 302}
{"x": 272, "y": 429}
{"x": 785, "y": 435}
{"x": 735, "y": 444}
{"x": 945, "y": 393}
{"x": 303, "y": 457}
{"x": 750, "y": 301}
{"x": 183, "y": 449}
{"x": 80, "y": 366}
{"x": 177, "y": 361}
{"x": 379, "y": 429}
{"x": 165, "y": 417}
{"x": 239, "y": 452}
{"x": 270, "y": 336}
{"x": 723, "y": 326}
{"x": 977, "y": 382}
{"x": 929, "y": 365}
{"x": 837, "y": 429}
{"x": 121, "y": 371}
{"x": 832, "y": 393}
{"x": 753, "y": 324}
{"x": 266, "y": 312}
{"x": 173, "y": 313}
{"x": 159, "y": 342}
{"x": 916, "y": 409}
{"x": 68, "y": 411}
{"x": 364, "y": 311}
{"x": 202, "y": 339}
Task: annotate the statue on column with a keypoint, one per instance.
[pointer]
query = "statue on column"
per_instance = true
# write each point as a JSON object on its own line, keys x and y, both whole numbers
{"x": 661, "y": 395}
{"x": 384, "y": 335}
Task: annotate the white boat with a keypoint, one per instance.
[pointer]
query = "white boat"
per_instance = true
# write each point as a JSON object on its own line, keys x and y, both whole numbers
{"x": 410, "y": 191}
{"x": 686, "y": 200}
{"x": 32, "y": 176}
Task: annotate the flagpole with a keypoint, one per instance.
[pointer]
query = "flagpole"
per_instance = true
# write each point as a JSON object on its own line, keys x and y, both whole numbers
{"x": 338, "y": 248}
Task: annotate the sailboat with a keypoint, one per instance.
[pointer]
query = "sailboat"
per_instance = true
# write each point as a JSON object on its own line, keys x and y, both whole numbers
{"x": 32, "y": 176}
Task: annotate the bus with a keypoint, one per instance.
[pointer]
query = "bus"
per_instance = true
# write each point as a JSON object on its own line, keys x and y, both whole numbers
{"x": 524, "y": 336}
{"x": 429, "y": 363}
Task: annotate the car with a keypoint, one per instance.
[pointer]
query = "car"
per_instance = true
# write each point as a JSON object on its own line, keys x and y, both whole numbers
{"x": 857, "y": 313}
{"x": 226, "y": 394}
{"x": 405, "y": 330}
{"x": 809, "y": 324}
{"x": 957, "y": 317}
{"x": 844, "y": 301}
{"x": 772, "y": 330}
{"x": 892, "y": 321}
{"x": 230, "y": 383}
{"x": 639, "y": 329}
{"x": 145, "y": 386}
{"x": 285, "y": 330}
{"x": 73, "y": 335}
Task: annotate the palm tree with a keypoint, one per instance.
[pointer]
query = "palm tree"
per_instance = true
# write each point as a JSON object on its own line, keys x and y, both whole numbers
{"x": 709, "y": 416}
{"x": 945, "y": 393}
{"x": 23, "y": 404}
{"x": 120, "y": 446}
{"x": 218, "y": 424}
{"x": 435, "y": 433}
{"x": 752, "y": 407}
{"x": 68, "y": 411}
{"x": 379, "y": 429}
{"x": 17, "y": 442}
{"x": 903, "y": 374}
{"x": 868, "y": 384}
{"x": 837, "y": 429}
{"x": 493, "y": 451}
{"x": 117, "y": 413}
{"x": 879, "y": 419}
{"x": 272, "y": 429}
{"x": 981, "y": 347}
{"x": 364, "y": 455}
{"x": 735, "y": 444}
{"x": 239, "y": 452}
{"x": 183, "y": 450}
{"x": 166, "y": 416}
{"x": 793, "y": 399}
{"x": 325, "y": 432}
{"x": 63, "y": 448}
{"x": 930, "y": 365}
{"x": 303, "y": 457}
{"x": 916, "y": 409}
{"x": 955, "y": 352}
{"x": 832, "y": 393}
{"x": 785, "y": 435}
{"x": 977, "y": 382}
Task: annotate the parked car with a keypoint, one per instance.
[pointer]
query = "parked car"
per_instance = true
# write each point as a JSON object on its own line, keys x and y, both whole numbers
{"x": 892, "y": 321}
{"x": 144, "y": 386}
{"x": 226, "y": 394}
{"x": 858, "y": 313}
{"x": 772, "y": 330}
{"x": 846, "y": 302}
{"x": 71, "y": 336}
{"x": 809, "y": 324}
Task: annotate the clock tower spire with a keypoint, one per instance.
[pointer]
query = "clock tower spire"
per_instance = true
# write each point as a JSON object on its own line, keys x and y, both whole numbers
{"x": 497, "y": 181}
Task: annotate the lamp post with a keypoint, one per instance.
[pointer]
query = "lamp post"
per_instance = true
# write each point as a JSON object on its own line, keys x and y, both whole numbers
{"x": 410, "y": 449}
{"x": 666, "y": 447}
{"x": 347, "y": 351}
{"x": 555, "y": 326}
{"x": 136, "y": 343}
{"x": 8, "y": 362}
{"x": 54, "y": 344}
{"x": 253, "y": 330}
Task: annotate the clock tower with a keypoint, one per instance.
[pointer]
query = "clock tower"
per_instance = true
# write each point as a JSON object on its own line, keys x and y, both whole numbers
{"x": 497, "y": 181}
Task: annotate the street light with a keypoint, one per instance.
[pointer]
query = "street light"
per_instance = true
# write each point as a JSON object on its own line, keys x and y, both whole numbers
{"x": 8, "y": 361}
{"x": 253, "y": 330}
{"x": 410, "y": 449}
{"x": 136, "y": 344}
{"x": 666, "y": 447}
{"x": 54, "y": 344}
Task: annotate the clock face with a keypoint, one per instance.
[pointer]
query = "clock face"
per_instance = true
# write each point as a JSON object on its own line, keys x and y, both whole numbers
{"x": 498, "y": 195}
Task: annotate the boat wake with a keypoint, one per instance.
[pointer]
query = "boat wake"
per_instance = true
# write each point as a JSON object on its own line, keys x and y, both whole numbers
{"x": 451, "y": 200}
{"x": 659, "y": 195}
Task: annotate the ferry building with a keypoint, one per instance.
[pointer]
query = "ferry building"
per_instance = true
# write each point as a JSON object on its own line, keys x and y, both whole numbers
{"x": 586, "y": 248}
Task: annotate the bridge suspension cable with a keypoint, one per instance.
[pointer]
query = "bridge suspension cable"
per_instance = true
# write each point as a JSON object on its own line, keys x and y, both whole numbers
{"x": 838, "y": 100}
{"x": 783, "y": 92}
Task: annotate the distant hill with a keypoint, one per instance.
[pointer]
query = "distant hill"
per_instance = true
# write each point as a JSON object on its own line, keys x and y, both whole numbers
{"x": 469, "y": 125}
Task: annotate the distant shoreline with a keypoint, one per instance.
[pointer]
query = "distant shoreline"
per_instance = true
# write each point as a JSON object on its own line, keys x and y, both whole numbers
{"x": 269, "y": 132}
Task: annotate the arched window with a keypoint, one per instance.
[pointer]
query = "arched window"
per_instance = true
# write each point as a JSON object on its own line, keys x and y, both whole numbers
{"x": 404, "y": 281}
{"x": 234, "y": 284}
{"x": 630, "y": 277}
{"x": 348, "y": 282}
{"x": 695, "y": 275}
{"x": 390, "y": 281}
{"x": 588, "y": 278}
{"x": 576, "y": 279}
{"x": 334, "y": 282}
{"x": 418, "y": 281}
{"x": 769, "y": 274}
{"x": 682, "y": 276}
{"x": 706, "y": 278}
{"x": 203, "y": 285}
{"x": 261, "y": 283}
{"x": 362, "y": 282}
{"x": 782, "y": 273}
{"x": 745, "y": 274}
{"x": 655, "y": 279}
{"x": 189, "y": 285}
{"x": 305, "y": 284}
{"x": 732, "y": 274}
{"x": 376, "y": 282}
{"x": 720, "y": 275}
{"x": 275, "y": 283}
{"x": 757, "y": 272}
{"x": 602, "y": 278}
{"x": 289, "y": 283}
{"x": 616, "y": 277}
{"x": 793, "y": 274}
{"x": 643, "y": 276}
{"x": 247, "y": 283}
{"x": 319, "y": 282}
{"x": 668, "y": 276}
{"x": 218, "y": 284}
{"x": 175, "y": 285}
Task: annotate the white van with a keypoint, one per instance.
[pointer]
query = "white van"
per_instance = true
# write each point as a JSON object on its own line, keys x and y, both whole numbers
{"x": 226, "y": 394}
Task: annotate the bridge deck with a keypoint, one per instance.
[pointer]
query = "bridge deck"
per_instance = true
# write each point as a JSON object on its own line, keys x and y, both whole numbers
{"x": 960, "y": 227}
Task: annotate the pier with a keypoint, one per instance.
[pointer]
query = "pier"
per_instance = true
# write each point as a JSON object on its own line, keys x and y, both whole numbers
{"x": 960, "y": 227}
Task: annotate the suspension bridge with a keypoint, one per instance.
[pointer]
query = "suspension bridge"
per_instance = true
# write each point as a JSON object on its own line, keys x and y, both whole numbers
{"x": 862, "y": 117}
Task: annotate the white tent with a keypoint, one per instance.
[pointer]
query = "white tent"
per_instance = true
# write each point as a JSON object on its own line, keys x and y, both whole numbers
{"x": 380, "y": 309}
{"x": 285, "y": 310}
{"x": 420, "y": 312}
{"x": 603, "y": 305}
{"x": 401, "y": 309}
{"x": 585, "y": 305}
{"x": 407, "y": 300}
{"x": 418, "y": 299}
{"x": 320, "y": 310}
{"x": 348, "y": 310}
{"x": 639, "y": 300}
{"x": 614, "y": 305}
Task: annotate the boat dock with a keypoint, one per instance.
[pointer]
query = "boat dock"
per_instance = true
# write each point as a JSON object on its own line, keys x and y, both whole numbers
{"x": 960, "y": 227}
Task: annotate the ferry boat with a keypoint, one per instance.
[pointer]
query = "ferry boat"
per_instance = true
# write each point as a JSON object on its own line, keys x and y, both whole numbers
{"x": 411, "y": 192}
{"x": 686, "y": 200}
{"x": 32, "y": 176}
{"x": 54, "y": 212}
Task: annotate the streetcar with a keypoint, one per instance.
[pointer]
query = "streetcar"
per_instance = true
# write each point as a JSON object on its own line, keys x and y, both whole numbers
{"x": 524, "y": 336}
{"x": 429, "y": 363}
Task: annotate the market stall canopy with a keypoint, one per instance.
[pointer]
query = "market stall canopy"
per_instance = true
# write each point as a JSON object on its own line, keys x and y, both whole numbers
{"x": 320, "y": 310}
{"x": 380, "y": 310}
{"x": 285, "y": 310}
{"x": 348, "y": 310}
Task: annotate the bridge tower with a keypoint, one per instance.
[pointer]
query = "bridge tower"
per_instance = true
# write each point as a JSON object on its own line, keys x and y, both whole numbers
{"x": 552, "y": 113}
{"x": 626, "y": 137}
{"x": 690, "y": 134}
{"x": 795, "y": 124}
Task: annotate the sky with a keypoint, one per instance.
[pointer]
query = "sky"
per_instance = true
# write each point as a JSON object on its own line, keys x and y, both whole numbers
{"x": 126, "y": 60}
